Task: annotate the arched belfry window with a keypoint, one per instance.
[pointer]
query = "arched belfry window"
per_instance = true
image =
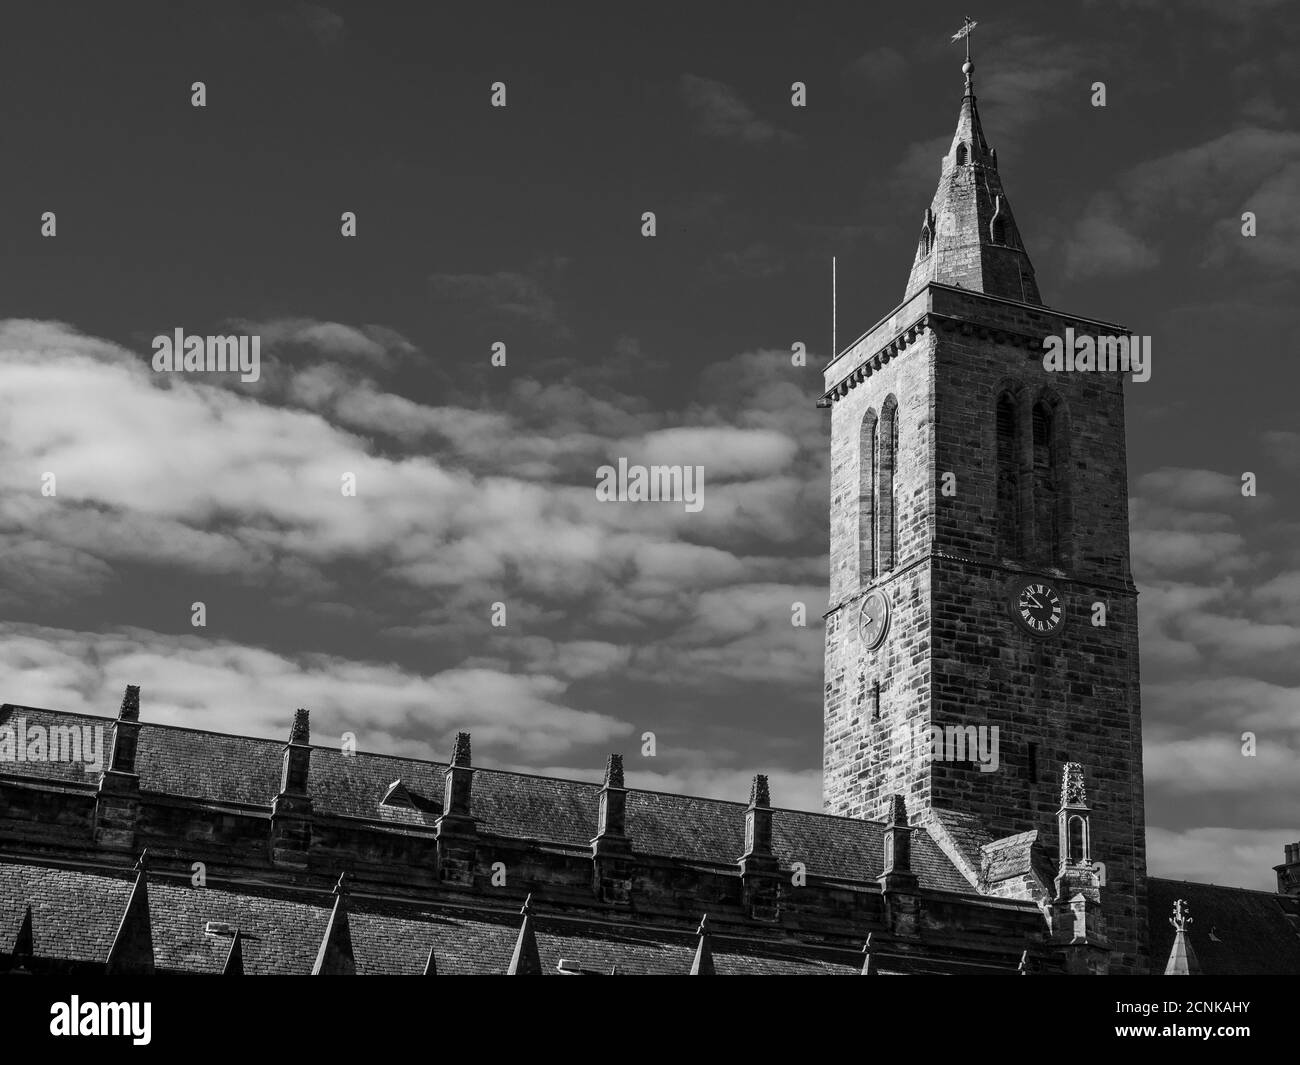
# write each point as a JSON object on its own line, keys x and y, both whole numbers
{"x": 867, "y": 499}
{"x": 961, "y": 154}
{"x": 1052, "y": 520}
{"x": 886, "y": 496}
{"x": 998, "y": 230}
{"x": 1008, "y": 474}
{"x": 1078, "y": 840}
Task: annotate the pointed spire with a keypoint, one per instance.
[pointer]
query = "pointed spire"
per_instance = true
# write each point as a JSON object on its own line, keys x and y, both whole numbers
{"x": 968, "y": 237}
{"x": 132, "y": 949}
{"x": 614, "y": 771}
{"x": 1182, "y": 958}
{"x": 300, "y": 732}
{"x": 869, "y": 967}
{"x": 460, "y": 755}
{"x": 703, "y": 964}
{"x": 430, "y": 964}
{"x": 126, "y": 732}
{"x": 896, "y": 875}
{"x": 525, "y": 961}
{"x": 335, "y": 955}
{"x": 970, "y": 132}
{"x": 130, "y": 708}
{"x": 611, "y": 812}
{"x": 758, "y": 821}
{"x": 235, "y": 957}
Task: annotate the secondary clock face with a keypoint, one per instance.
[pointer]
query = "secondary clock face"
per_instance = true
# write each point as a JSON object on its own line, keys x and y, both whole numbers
{"x": 1037, "y": 606}
{"x": 873, "y": 619}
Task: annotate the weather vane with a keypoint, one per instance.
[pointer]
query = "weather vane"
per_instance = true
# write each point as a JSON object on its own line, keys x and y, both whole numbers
{"x": 968, "y": 25}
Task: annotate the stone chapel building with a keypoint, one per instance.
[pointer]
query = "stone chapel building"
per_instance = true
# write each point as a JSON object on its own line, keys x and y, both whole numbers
{"x": 978, "y": 521}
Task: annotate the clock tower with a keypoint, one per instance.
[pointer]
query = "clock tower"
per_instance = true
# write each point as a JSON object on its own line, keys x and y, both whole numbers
{"x": 982, "y": 628}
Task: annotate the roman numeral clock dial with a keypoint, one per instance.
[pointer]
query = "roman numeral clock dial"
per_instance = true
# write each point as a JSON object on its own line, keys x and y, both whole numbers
{"x": 1037, "y": 606}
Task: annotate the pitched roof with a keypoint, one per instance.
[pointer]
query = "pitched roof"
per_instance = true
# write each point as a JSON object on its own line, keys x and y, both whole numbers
{"x": 215, "y": 767}
{"x": 1236, "y": 931}
{"x": 281, "y": 929}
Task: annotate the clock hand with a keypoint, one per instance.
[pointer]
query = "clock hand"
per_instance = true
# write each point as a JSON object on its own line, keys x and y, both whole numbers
{"x": 1033, "y": 599}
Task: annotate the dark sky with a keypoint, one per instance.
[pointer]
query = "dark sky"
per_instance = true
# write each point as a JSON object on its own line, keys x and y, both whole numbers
{"x": 523, "y": 225}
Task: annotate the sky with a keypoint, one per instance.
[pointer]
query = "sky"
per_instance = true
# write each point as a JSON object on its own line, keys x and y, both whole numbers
{"x": 523, "y": 225}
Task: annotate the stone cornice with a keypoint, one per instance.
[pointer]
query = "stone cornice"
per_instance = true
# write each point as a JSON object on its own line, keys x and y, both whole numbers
{"x": 938, "y": 307}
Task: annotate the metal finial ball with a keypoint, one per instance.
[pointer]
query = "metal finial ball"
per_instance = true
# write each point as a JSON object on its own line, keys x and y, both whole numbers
{"x": 967, "y": 67}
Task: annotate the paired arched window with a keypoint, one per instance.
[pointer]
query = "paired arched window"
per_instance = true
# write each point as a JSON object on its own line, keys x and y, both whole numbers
{"x": 1033, "y": 485}
{"x": 1051, "y": 483}
{"x": 1008, "y": 474}
{"x": 867, "y": 498}
{"x": 877, "y": 492}
{"x": 886, "y": 497}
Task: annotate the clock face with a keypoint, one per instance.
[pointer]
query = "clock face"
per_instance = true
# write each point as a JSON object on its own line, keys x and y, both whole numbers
{"x": 873, "y": 619}
{"x": 1037, "y": 606}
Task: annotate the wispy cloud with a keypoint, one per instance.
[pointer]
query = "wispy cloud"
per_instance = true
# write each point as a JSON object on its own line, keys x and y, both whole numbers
{"x": 720, "y": 112}
{"x": 1197, "y": 195}
{"x": 527, "y": 295}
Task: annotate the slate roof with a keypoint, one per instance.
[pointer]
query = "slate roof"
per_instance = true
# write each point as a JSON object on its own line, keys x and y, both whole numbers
{"x": 1234, "y": 931}
{"x": 75, "y": 915}
{"x": 219, "y": 768}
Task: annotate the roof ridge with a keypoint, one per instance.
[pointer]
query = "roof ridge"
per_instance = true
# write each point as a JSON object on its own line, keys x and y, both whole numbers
{"x": 595, "y": 784}
{"x": 1219, "y": 887}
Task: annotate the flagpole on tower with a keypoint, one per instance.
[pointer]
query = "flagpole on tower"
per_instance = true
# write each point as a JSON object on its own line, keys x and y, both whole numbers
{"x": 834, "y": 350}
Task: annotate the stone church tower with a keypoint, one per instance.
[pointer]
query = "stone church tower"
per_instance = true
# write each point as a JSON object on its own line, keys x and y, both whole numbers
{"x": 979, "y": 553}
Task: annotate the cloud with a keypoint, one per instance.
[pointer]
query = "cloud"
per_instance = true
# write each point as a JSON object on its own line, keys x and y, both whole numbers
{"x": 209, "y": 683}
{"x": 1283, "y": 447}
{"x": 1197, "y": 194}
{"x": 726, "y": 453}
{"x": 876, "y": 69}
{"x": 527, "y": 295}
{"x": 320, "y": 24}
{"x": 204, "y": 481}
{"x": 721, "y": 113}
{"x": 374, "y": 344}
{"x": 1211, "y": 855}
{"x": 1101, "y": 245}
{"x": 756, "y": 261}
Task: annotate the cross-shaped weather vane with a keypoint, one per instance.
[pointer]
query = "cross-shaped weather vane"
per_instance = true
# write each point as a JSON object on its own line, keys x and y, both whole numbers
{"x": 967, "y": 26}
